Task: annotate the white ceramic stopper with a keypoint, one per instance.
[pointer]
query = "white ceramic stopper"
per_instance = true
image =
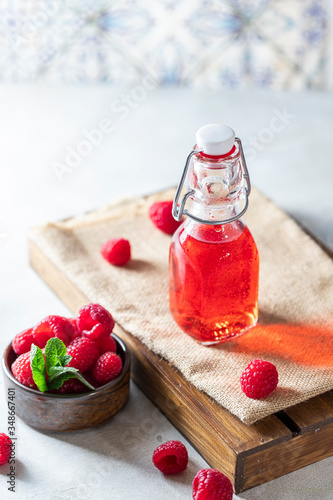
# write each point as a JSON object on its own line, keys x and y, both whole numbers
{"x": 215, "y": 139}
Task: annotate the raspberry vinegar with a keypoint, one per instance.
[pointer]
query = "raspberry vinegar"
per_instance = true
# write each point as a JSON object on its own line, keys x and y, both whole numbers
{"x": 214, "y": 261}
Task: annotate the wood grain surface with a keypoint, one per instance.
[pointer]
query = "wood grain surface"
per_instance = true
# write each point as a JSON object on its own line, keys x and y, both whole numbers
{"x": 248, "y": 455}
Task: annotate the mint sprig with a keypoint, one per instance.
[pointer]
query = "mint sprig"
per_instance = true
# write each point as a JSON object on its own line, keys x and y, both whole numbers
{"x": 38, "y": 367}
{"x": 51, "y": 373}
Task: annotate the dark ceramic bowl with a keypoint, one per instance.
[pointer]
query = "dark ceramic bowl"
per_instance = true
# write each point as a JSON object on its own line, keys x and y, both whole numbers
{"x": 72, "y": 412}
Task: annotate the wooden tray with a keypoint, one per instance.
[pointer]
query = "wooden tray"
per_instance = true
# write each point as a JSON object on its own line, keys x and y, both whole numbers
{"x": 249, "y": 455}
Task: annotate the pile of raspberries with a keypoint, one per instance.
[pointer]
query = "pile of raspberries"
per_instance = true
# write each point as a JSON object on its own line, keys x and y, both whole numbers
{"x": 88, "y": 339}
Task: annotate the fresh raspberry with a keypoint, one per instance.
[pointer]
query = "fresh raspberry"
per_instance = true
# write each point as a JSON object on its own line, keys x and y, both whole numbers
{"x": 106, "y": 344}
{"x": 94, "y": 320}
{"x": 76, "y": 331}
{"x": 21, "y": 370}
{"x": 116, "y": 251}
{"x": 259, "y": 379}
{"x": 91, "y": 380}
{"x": 211, "y": 484}
{"x": 53, "y": 326}
{"x": 22, "y": 341}
{"x": 107, "y": 367}
{"x": 84, "y": 353}
{"x": 5, "y": 448}
{"x": 71, "y": 386}
{"x": 171, "y": 457}
{"x": 161, "y": 215}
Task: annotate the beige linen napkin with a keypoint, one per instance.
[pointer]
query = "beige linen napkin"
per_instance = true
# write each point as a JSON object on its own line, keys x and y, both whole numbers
{"x": 295, "y": 330}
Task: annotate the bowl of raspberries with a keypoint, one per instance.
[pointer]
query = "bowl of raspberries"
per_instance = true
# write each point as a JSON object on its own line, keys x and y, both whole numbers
{"x": 68, "y": 373}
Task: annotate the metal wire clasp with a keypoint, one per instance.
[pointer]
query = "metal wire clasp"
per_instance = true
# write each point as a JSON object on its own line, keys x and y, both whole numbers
{"x": 179, "y": 211}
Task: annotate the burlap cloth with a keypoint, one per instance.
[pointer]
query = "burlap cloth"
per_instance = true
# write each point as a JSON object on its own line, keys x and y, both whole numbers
{"x": 295, "y": 330}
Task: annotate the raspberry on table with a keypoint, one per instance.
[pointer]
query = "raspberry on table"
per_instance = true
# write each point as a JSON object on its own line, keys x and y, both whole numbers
{"x": 21, "y": 370}
{"x": 94, "y": 320}
{"x": 106, "y": 344}
{"x": 211, "y": 484}
{"x": 53, "y": 326}
{"x": 107, "y": 367}
{"x": 171, "y": 457}
{"x": 84, "y": 353}
{"x": 160, "y": 213}
{"x": 5, "y": 448}
{"x": 22, "y": 341}
{"x": 259, "y": 379}
{"x": 116, "y": 251}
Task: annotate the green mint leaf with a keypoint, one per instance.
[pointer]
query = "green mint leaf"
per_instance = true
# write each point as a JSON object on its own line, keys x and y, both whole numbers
{"x": 55, "y": 349}
{"x": 56, "y": 371}
{"x": 80, "y": 377}
{"x": 37, "y": 363}
{"x": 56, "y": 359}
{"x": 59, "y": 375}
{"x": 64, "y": 360}
{"x": 57, "y": 381}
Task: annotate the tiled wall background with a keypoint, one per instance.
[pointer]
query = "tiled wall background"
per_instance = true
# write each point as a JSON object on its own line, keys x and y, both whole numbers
{"x": 202, "y": 43}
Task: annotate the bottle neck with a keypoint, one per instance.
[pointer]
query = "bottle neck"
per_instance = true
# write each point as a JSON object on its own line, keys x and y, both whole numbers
{"x": 212, "y": 213}
{"x": 223, "y": 233}
{"x": 217, "y": 187}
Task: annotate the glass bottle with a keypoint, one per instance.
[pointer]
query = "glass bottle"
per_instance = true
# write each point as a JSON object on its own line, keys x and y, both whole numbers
{"x": 214, "y": 262}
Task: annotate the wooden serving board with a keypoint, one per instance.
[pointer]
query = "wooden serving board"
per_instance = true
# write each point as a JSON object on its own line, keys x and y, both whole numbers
{"x": 248, "y": 455}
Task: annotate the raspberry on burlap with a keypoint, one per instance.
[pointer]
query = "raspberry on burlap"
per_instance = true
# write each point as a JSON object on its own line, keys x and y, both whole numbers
{"x": 160, "y": 213}
{"x": 259, "y": 379}
{"x": 116, "y": 251}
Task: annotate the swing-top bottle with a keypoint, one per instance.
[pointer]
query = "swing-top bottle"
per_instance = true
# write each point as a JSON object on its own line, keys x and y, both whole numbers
{"x": 214, "y": 262}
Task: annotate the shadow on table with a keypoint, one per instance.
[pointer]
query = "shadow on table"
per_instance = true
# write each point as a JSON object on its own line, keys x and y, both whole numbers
{"x": 130, "y": 437}
{"x": 185, "y": 477}
{"x": 21, "y": 471}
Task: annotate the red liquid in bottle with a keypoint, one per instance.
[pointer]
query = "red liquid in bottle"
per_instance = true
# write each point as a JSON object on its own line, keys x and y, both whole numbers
{"x": 214, "y": 280}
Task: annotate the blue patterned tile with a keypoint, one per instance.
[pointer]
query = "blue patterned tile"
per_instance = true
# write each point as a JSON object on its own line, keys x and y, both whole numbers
{"x": 202, "y": 43}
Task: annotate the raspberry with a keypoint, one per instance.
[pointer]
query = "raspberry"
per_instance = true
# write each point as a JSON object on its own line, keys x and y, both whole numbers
{"x": 116, "y": 251}
{"x": 171, "y": 457}
{"x": 161, "y": 215}
{"x": 76, "y": 331}
{"x": 106, "y": 344}
{"x": 22, "y": 341}
{"x": 93, "y": 320}
{"x": 91, "y": 380}
{"x": 71, "y": 386}
{"x": 53, "y": 326}
{"x": 5, "y": 448}
{"x": 259, "y": 379}
{"x": 211, "y": 484}
{"x": 84, "y": 353}
{"x": 107, "y": 367}
{"x": 22, "y": 370}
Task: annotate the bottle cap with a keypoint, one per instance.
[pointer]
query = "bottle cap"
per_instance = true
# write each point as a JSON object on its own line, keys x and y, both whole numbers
{"x": 215, "y": 139}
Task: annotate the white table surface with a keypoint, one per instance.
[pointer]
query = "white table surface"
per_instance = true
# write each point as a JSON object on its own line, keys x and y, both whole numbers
{"x": 145, "y": 152}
